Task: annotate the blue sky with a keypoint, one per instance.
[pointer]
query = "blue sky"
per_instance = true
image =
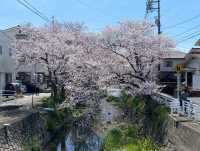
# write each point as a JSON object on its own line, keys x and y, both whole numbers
{"x": 97, "y": 13}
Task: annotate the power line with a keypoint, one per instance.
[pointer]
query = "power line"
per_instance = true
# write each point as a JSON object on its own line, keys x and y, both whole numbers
{"x": 183, "y": 22}
{"x": 80, "y": 18}
{"x": 179, "y": 12}
{"x": 186, "y": 31}
{"x": 188, "y": 38}
{"x": 180, "y": 40}
{"x": 188, "y": 35}
{"x": 121, "y": 6}
{"x": 34, "y": 11}
{"x": 169, "y": 7}
{"x": 98, "y": 10}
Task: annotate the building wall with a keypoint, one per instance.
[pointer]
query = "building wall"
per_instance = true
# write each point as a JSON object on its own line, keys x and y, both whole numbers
{"x": 175, "y": 62}
{"x": 194, "y": 63}
{"x": 6, "y": 61}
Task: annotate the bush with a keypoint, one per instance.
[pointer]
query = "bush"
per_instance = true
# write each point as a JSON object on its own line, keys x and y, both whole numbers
{"x": 126, "y": 138}
{"x": 112, "y": 98}
{"x": 119, "y": 105}
{"x": 57, "y": 116}
{"x": 31, "y": 146}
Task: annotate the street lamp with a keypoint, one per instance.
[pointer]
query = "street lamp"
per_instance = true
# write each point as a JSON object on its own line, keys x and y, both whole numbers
{"x": 19, "y": 36}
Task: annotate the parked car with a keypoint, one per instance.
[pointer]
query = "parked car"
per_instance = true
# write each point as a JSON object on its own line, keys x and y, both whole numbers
{"x": 11, "y": 89}
{"x": 29, "y": 86}
{"x": 23, "y": 88}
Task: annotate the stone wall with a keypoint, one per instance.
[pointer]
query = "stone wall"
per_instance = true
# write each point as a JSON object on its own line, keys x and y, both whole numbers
{"x": 15, "y": 136}
{"x": 180, "y": 134}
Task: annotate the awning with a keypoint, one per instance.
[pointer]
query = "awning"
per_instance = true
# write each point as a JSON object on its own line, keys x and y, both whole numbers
{"x": 188, "y": 69}
{"x": 24, "y": 73}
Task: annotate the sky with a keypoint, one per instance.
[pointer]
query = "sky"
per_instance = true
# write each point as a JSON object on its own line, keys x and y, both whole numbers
{"x": 180, "y": 19}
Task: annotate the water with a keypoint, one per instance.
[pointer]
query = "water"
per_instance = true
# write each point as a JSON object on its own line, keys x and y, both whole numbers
{"x": 114, "y": 93}
{"x": 75, "y": 139}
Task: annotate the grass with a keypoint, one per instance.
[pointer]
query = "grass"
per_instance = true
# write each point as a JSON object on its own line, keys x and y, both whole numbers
{"x": 31, "y": 146}
{"x": 125, "y": 138}
{"x": 57, "y": 116}
{"x": 112, "y": 98}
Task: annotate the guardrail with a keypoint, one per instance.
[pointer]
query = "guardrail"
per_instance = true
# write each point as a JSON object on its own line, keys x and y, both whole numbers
{"x": 188, "y": 107}
{"x": 4, "y": 94}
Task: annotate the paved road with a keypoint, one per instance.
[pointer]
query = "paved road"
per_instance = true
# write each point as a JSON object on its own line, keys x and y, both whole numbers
{"x": 27, "y": 99}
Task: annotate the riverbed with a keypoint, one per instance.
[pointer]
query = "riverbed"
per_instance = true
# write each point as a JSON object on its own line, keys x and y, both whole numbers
{"x": 79, "y": 138}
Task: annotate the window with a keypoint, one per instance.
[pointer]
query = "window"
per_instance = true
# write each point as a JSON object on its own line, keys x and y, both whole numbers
{"x": 168, "y": 64}
{"x": 0, "y": 50}
{"x": 10, "y": 52}
{"x": 8, "y": 78}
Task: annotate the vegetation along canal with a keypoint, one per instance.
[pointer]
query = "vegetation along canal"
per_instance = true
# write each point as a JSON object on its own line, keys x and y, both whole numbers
{"x": 112, "y": 128}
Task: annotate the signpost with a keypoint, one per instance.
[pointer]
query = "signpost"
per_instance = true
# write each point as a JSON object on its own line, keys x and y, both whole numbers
{"x": 178, "y": 68}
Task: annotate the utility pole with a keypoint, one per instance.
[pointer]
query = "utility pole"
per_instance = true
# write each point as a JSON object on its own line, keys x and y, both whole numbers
{"x": 150, "y": 8}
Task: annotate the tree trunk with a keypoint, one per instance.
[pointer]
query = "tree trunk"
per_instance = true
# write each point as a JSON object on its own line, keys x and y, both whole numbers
{"x": 63, "y": 91}
{"x": 54, "y": 90}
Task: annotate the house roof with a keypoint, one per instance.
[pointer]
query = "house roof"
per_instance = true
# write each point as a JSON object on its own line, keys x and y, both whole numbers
{"x": 5, "y": 30}
{"x": 5, "y": 34}
{"x": 176, "y": 55}
{"x": 193, "y": 53}
{"x": 197, "y": 43}
{"x": 192, "y": 50}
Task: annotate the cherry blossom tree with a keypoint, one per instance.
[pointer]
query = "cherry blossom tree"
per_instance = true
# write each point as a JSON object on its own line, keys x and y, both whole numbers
{"x": 132, "y": 52}
{"x": 51, "y": 50}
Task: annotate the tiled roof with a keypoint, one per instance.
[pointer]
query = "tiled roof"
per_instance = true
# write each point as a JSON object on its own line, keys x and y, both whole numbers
{"x": 196, "y": 55}
{"x": 197, "y": 43}
{"x": 177, "y": 55}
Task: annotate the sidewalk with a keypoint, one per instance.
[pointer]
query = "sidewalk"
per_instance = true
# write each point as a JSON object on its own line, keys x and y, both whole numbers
{"x": 27, "y": 99}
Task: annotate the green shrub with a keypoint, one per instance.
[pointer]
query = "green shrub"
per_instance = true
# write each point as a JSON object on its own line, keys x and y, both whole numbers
{"x": 31, "y": 145}
{"x": 77, "y": 112}
{"x": 119, "y": 105}
{"x": 112, "y": 98}
{"x": 51, "y": 125}
{"x": 161, "y": 112}
{"x": 112, "y": 141}
{"x": 126, "y": 138}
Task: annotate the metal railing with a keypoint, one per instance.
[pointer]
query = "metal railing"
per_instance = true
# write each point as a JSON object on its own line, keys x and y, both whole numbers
{"x": 3, "y": 93}
{"x": 188, "y": 107}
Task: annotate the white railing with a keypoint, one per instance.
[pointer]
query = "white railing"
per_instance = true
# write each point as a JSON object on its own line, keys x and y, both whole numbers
{"x": 187, "y": 106}
{"x": 2, "y": 93}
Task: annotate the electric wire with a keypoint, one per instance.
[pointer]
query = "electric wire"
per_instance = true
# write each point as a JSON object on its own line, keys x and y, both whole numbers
{"x": 98, "y": 10}
{"x": 34, "y": 11}
{"x": 169, "y": 7}
{"x": 179, "y": 12}
{"x": 188, "y": 35}
{"x": 80, "y": 18}
{"x": 183, "y": 22}
{"x": 186, "y": 31}
{"x": 182, "y": 39}
{"x": 121, "y": 6}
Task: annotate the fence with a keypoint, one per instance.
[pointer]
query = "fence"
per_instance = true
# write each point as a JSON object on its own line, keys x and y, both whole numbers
{"x": 188, "y": 108}
{"x": 6, "y": 93}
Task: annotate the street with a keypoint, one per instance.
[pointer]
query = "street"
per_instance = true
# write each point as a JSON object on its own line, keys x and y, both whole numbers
{"x": 27, "y": 99}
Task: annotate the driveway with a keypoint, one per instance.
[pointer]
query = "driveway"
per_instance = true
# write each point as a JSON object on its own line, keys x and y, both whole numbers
{"x": 27, "y": 99}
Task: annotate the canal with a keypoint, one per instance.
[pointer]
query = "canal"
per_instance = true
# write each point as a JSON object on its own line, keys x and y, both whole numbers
{"x": 79, "y": 138}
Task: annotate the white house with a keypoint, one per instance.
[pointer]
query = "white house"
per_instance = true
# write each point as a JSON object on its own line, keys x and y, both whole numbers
{"x": 166, "y": 72}
{"x": 7, "y": 72}
{"x": 191, "y": 68}
{"x": 23, "y": 73}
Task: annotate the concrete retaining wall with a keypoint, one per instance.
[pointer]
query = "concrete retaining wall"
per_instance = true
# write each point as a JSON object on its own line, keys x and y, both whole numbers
{"x": 181, "y": 134}
{"x": 15, "y": 136}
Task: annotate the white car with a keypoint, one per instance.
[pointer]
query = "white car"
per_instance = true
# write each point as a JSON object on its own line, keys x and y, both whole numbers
{"x": 23, "y": 88}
